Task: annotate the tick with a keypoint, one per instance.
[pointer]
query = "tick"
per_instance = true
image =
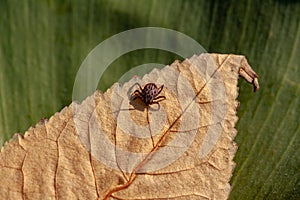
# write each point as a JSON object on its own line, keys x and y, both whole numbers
{"x": 149, "y": 94}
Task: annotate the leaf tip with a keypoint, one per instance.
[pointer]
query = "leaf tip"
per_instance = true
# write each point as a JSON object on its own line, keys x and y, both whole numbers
{"x": 249, "y": 74}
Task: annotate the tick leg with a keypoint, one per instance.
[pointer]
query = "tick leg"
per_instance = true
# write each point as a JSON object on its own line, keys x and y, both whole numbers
{"x": 160, "y": 98}
{"x": 137, "y": 94}
{"x": 203, "y": 102}
{"x": 153, "y": 144}
{"x": 137, "y": 85}
{"x": 153, "y": 102}
{"x": 160, "y": 89}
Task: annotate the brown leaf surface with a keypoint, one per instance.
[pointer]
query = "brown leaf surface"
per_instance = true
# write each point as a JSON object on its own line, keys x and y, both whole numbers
{"x": 110, "y": 147}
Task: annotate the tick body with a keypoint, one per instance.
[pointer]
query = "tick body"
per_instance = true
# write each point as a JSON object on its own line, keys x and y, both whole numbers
{"x": 149, "y": 94}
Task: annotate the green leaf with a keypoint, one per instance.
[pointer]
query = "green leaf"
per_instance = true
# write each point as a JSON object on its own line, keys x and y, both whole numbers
{"x": 43, "y": 43}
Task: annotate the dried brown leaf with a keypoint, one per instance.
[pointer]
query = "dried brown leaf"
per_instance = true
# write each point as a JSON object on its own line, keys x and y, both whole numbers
{"x": 111, "y": 147}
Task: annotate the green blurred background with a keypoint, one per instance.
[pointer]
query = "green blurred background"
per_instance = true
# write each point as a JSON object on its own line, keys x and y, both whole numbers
{"x": 43, "y": 43}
